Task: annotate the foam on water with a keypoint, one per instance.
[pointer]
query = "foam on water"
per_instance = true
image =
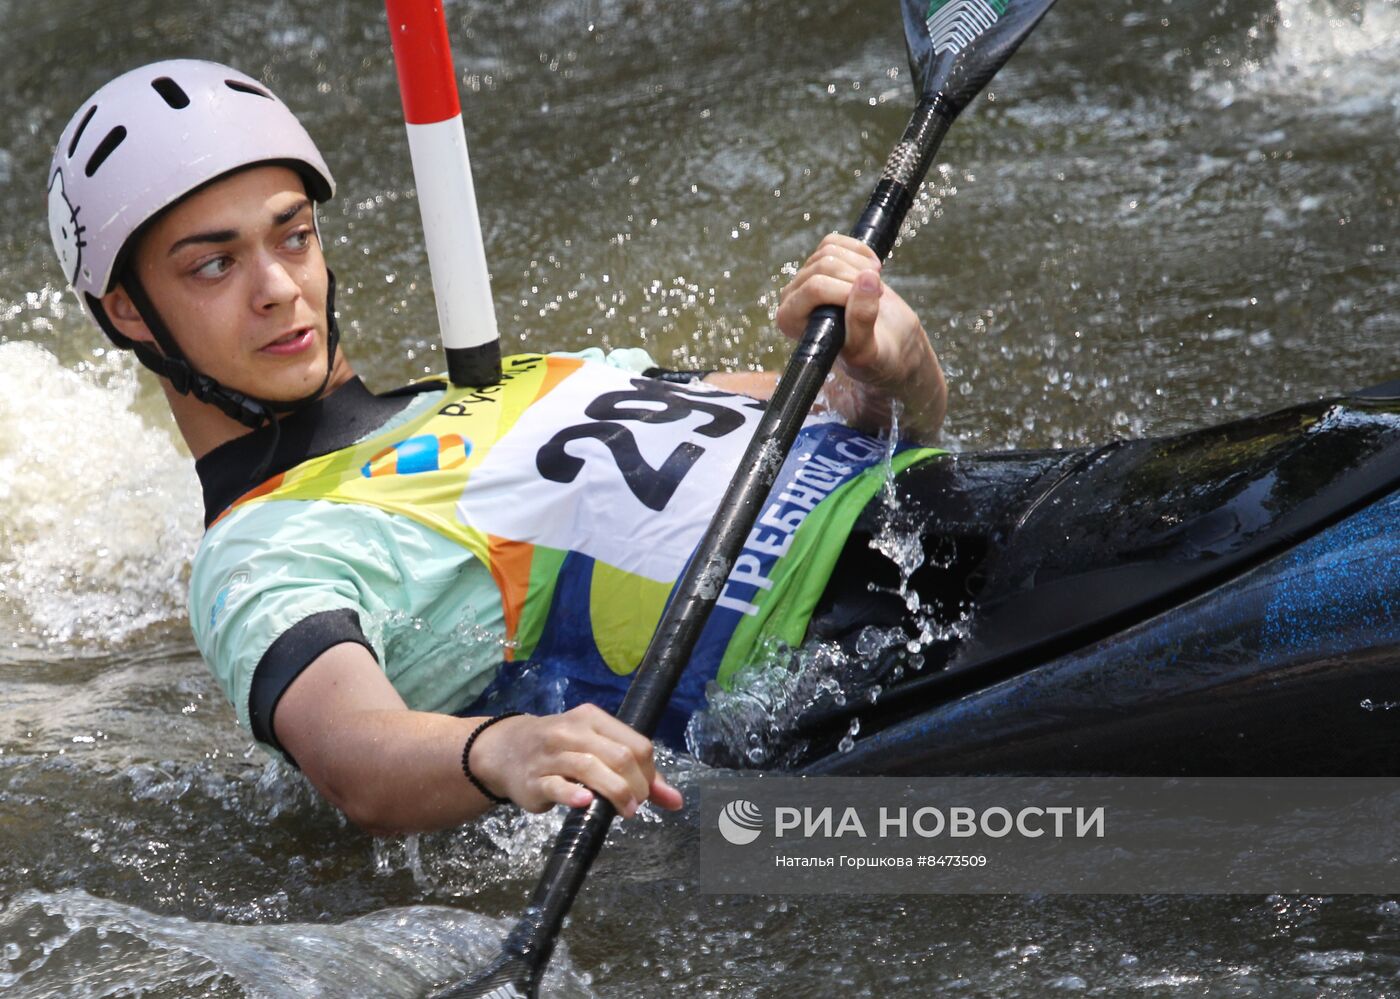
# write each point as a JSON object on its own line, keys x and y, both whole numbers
{"x": 99, "y": 511}
{"x": 74, "y": 944}
{"x": 1345, "y": 55}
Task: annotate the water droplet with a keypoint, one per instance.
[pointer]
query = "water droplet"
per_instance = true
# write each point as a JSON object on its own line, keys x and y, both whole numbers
{"x": 848, "y": 742}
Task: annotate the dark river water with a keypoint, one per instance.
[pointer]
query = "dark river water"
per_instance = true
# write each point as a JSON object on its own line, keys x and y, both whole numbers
{"x": 1155, "y": 219}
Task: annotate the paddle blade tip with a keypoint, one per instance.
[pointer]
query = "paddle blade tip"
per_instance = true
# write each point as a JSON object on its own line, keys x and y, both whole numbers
{"x": 508, "y": 978}
{"x": 956, "y": 46}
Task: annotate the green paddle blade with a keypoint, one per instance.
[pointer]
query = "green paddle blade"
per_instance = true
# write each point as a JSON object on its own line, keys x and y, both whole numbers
{"x": 956, "y": 46}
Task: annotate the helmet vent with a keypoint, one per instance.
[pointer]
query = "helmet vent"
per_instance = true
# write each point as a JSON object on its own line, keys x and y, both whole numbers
{"x": 247, "y": 88}
{"x": 171, "y": 93}
{"x": 105, "y": 148}
{"x": 82, "y": 125}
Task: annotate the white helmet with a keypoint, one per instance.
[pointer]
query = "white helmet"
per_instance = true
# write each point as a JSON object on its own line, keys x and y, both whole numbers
{"x": 146, "y": 140}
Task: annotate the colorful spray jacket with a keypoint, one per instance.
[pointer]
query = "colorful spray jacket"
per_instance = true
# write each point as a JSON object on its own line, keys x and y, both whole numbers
{"x": 583, "y": 490}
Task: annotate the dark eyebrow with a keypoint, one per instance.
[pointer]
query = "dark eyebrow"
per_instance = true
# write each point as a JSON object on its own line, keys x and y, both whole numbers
{"x": 217, "y": 236}
{"x": 229, "y": 235}
{"x": 292, "y": 212}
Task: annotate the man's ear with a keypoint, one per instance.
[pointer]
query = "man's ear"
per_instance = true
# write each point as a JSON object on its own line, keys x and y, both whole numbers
{"x": 124, "y": 316}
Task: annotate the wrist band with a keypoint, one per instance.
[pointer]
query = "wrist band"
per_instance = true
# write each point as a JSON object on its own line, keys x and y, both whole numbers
{"x": 495, "y": 799}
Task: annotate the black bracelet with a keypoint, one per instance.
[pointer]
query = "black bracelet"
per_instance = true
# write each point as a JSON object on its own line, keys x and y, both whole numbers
{"x": 467, "y": 752}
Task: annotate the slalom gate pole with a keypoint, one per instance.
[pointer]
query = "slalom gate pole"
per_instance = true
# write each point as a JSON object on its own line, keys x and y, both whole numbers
{"x": 442, "y": 173}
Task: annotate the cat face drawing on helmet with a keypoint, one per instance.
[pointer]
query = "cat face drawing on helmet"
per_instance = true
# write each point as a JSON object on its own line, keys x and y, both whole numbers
{"x": 64, "y": 228}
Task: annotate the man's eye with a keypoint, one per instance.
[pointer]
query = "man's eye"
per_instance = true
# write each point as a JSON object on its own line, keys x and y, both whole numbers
{"x": 213, "y": 268}
{"x": 300, "y": 239}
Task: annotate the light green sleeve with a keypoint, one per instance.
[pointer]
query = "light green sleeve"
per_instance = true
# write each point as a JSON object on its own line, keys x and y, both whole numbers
{"x": 430, "y": 610}
{"x": 268, "y": 567}
{"x": 633, "y": 359}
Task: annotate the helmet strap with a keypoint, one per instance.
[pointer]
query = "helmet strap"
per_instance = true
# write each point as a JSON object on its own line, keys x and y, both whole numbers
{"x": 171, "y": 364}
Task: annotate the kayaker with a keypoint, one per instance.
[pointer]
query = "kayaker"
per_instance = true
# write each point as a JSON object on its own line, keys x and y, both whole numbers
{"x": 383, "y": 575}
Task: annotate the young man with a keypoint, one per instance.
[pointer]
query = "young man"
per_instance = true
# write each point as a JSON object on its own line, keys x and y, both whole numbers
{"x": 381, "y": 574}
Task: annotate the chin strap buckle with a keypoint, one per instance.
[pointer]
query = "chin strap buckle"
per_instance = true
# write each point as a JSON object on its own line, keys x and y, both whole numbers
{"x": 235, "y": 405}
{"x": 180, "y": 375}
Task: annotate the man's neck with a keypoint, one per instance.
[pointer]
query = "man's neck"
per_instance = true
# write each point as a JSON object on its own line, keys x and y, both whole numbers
{"x": 205, "y": 427}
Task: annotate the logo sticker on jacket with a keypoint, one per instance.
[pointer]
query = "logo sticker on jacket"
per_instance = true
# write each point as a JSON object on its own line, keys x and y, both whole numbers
{"x": 424, "y": 453}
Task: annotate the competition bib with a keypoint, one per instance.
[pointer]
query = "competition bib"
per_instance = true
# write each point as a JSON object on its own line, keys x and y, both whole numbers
{"x": 585, "y": 489}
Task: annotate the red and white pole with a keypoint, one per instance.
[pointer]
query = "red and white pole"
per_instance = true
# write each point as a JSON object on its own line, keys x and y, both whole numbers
{"x": 442, "y": 173}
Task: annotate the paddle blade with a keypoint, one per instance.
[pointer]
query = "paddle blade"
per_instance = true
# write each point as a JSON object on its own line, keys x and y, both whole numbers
{"x": 508, "y": 978}
{"x": 956, "y": 46}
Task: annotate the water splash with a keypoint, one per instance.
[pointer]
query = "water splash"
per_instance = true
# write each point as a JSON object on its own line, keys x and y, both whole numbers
{"x": 750, "y": 725}
{"x": 900, "y": 538}
{"x": 101, "y": 510}
{"x": 848, "y": 741}
{"x": 753, "y": 724}
{"x": 940, "y": 185}
{"x": 74, "y": 944}
{"x": 1344, "y": 56}
{"x": 504, "y": 847}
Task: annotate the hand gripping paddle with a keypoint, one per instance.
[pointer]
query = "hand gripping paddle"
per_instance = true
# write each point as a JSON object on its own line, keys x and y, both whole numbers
{"x": 955, "y": 47}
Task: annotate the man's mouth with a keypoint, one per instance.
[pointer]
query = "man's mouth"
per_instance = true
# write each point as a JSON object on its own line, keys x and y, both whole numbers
{"x": 292, "y": 343}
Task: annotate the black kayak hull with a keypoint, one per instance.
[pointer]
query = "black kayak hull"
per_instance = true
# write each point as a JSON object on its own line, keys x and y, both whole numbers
{"x": 1291, "y": 669}
{"x": 1225, "y": 602}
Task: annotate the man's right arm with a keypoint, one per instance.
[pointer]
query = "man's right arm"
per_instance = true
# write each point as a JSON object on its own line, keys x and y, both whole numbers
{"x": 887, "y": 358}
{"x": 394, "y": 770}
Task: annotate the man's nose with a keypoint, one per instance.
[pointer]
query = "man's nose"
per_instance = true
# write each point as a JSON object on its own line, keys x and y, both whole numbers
{"x": 276, "y": 284}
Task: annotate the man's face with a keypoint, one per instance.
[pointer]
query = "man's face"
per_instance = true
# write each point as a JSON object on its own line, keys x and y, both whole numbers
{"x": 237, "y": 274}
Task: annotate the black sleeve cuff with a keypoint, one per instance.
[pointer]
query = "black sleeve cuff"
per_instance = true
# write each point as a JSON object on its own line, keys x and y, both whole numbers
{"x": 674, "y": 376}
{"x": 293, "y": 651}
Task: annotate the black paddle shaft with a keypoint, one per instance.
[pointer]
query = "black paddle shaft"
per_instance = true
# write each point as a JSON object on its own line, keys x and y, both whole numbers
{"x": 532, "y": 940}
{"x": 695, "y": 595}
{"x": 955, "y": 47}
